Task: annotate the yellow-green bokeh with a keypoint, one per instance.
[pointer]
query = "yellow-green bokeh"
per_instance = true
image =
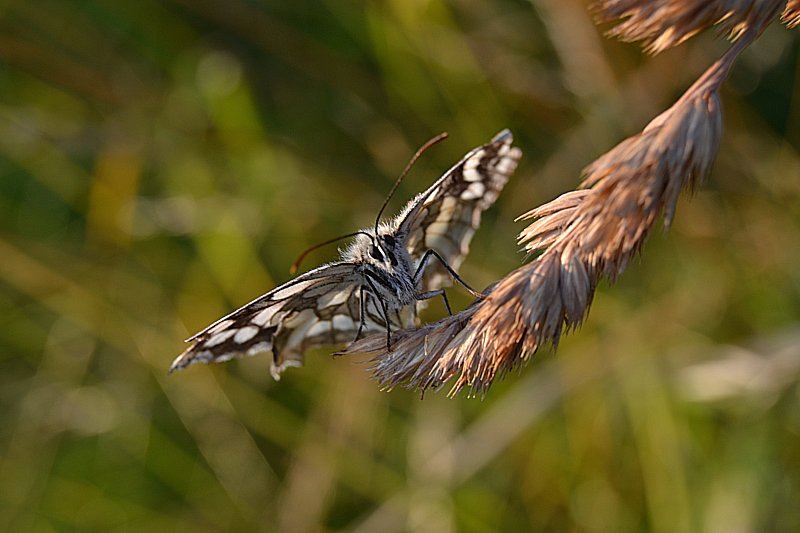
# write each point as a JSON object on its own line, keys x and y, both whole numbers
{"x": 162, "y": 163}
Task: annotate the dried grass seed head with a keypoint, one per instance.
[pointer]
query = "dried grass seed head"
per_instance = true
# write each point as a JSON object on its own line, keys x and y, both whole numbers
{"x": 791, "y": 14}
{"x": 663, "y": 24}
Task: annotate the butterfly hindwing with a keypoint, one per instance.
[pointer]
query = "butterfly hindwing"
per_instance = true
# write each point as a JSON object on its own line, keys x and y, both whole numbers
{"x": 449, "y": 212}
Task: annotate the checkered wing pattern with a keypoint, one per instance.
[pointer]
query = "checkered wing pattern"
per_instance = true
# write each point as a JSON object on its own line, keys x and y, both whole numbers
{"x": 320, "y": 307}
{"x": 445, "y": 217}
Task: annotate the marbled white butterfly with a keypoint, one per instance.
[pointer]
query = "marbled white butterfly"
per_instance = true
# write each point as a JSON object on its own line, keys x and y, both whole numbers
{"x": 378, "y": 281}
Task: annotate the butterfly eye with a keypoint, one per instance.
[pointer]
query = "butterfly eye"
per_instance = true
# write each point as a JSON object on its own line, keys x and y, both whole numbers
{"x": 376, "y": 254}
{"x": 388, "y": 239}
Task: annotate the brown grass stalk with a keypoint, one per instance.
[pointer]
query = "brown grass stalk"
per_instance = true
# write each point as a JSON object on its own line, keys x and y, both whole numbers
{"x": 663, "y": 24}
{"x": 581, "y": 238}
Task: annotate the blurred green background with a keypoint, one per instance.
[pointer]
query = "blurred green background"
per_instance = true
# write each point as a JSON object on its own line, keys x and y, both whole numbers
{"x": 162, "y": 163}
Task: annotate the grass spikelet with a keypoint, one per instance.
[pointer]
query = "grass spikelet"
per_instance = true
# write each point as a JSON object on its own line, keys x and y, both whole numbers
{"x": 791, "y": 14}
{"x": 663, "y": 24}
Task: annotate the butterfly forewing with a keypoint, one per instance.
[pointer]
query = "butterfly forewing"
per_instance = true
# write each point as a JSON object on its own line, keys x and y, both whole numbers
{"x": 450, "y": 211}
{"x": 320, "y": 307}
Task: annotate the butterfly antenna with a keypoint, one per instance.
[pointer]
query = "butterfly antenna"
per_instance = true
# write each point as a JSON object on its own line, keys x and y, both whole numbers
{"x": 296, "y": 264}
{"x": 423, "y": 148}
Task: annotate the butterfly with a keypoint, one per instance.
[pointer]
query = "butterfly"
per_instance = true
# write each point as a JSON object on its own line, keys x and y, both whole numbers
{"x": 380, "y": 279}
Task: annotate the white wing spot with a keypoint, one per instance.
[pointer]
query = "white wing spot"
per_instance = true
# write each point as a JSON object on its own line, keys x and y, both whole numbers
{"x": 260, "y": 347}
{"x": 303, "y": 322}
{"x": 475, "y": 190}
{"x": 264, "y": 316}
{"x": 320, "y": 327}
{"x": 343, "y": 322}
{"x": 292, "y": 289}
{"x": 503, "y": 167}
{"x": 507, "y": 164}
{"x": 219, "y": 338}
{"x": 442, "y": 223}
{"x": 438, "y": 227}
{"x": 474, "y": 161}
{"x": 332, "y": 298}
{"x": 471, "y": 174}
{"x": 245, "y": 334}
{"x": 449, "y": 204}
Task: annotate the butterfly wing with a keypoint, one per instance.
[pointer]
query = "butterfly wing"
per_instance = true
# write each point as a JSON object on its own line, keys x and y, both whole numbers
{"x": 445, "y": 217}
{"x": 320, "y": 307}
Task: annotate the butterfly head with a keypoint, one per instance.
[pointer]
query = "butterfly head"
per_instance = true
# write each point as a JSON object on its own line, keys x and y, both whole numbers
{"x": 382, "y": 250}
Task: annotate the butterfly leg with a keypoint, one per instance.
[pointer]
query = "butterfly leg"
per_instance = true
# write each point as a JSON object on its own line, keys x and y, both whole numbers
{"x": 361, "y": 314}
{"x": 385, "y": 314}
{"x": 421, "y": 269}
{"x": 433, "y": 294}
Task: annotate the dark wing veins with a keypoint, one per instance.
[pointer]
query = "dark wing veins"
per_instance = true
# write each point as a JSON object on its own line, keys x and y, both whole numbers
{"x": 449, "y": 212}
{"x": 321, "y": 307}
